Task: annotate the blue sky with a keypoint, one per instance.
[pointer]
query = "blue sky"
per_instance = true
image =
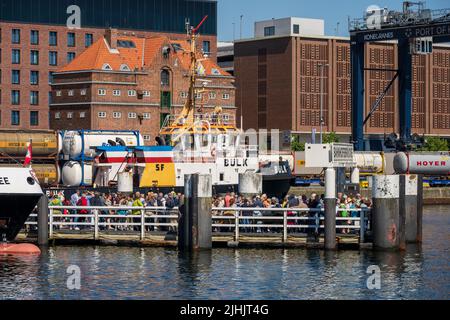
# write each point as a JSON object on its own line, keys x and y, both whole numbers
{"x": 332, "y": 11}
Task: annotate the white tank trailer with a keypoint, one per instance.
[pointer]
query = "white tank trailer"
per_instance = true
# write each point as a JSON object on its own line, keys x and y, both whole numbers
{"x": 426, "y": 164}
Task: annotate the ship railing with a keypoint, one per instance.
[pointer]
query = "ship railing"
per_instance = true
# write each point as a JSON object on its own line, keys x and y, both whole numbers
{"x": 284, "y": 222}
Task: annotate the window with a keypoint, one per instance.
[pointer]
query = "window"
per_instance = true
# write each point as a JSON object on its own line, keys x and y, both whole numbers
{"x": 269, "y": 31}
{"x": 50, "y": 77}
{"x": 296, "y": 29}
{"x": 166, "y": 99}
{"x": 212, "y": 95}
{"x": 147, "y": 94}
{"x": 15, "y": 118}
{"x": 50, "y": 98}
{"x": 58, "y": 93}
{"x": 69, "y": 115}
{"x": 71, "y": 39}
{"x": 70, "y": 56}
{"x": 53, "y": 58}
{"x": 15, "y": 56}
{"x": 165, "y": 77}
{"x": 101, "y": 92}
{"x": 116, "y": 93}
{"x": 57, "y": 115}
{"x": 34, "y": 57}
{"x": 102, "y": 114}
{"x": 34, "y": 77}
{"x": 184, "y": 95}
{"x": 215, "y": 72}
{"x": 131, "y": 93}
{"x": 82, "y": 115}
{"x": 198, "y": 96}
{"x": 132, "y": 115}
{"x": 117, "y": 115}
{"x": 34, "y": 98}
{"x": 34, "y": 118}
{"x": 106, "y": 67}
{"x": 124, "y": 67}
{"x": 206, "y": 47}
{"x": 53, "y": 38}
{"x": 15, "y": 76}
{"x": 70, "y": 93}
{"x": 147, "y": 137}
{"x": 226, "y": 96}
{"x": 15, "y": 36}
{"x": 125, "y": 44}
{"x": 83, "y": 92}
{"x": 88, "y": 40}
{"x": 146, "y": 116}
{"x": 34, "y": 37}
{"x": 15, "y": 97}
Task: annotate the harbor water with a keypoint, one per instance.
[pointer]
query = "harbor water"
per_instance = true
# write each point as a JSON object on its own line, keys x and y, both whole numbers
{"x": 292, "y": 274}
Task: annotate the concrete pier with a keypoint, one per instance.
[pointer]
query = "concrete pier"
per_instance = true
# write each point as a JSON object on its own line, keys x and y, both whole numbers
{"x": 387, "y": 222}
{"x": 420, "y": 203}
{"x": 195, "y": 221}
{"x": 43, "y": 212}
{"x": 330, "y": 209}
{"x": 408, "y": 205}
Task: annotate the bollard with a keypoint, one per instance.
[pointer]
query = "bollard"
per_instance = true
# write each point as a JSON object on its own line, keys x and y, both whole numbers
{"x": 195, "y": 231}
{"x": 43, "y": 221}
{"x": 419, "y": 208}
{"x": 330, "y": 209}
{"x": 387, "y": 227}
{"x": 250, "y": 184}
{"x": 408, "y": 205}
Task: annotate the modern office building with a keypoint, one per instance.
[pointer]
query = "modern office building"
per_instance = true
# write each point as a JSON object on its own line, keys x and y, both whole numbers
{"x": 40, "y": 37}
{"x": 279, "y": 80}
{"x": 133, "y": 83}
{"x": 225, "y": 56}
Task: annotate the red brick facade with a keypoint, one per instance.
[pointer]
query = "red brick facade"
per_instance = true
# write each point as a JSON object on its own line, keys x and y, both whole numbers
{"x": 43, "y": 67}
{"x": 103, "y": 96}
{"x": 278, "y": 86}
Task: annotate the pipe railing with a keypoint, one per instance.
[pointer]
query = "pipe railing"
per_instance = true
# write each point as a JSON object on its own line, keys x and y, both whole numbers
{"x": 228, "y": 219}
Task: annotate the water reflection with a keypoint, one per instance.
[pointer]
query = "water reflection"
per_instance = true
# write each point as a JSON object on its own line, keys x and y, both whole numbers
{"x": 421, "y": 272}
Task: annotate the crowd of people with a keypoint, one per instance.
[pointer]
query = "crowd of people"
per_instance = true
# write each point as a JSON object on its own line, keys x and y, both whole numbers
{"x": 302, "y": 207}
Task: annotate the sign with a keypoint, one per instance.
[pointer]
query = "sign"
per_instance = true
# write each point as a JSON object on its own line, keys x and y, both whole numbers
{"x": 235, "y": 163}
{"x": 5, "y": 181}
{"x": 410, "y": 32}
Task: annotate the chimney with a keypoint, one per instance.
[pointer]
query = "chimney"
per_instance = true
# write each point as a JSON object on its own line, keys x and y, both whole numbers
{"x": 111, "y": 37}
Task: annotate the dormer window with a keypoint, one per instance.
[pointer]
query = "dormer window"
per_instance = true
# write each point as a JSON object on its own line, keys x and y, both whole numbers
{"x": 124, "y": 67}
{"x": 106, "y": 67}
{"x": 215, "y": 72}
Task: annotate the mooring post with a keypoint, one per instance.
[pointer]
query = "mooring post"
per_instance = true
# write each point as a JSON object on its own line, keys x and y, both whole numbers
{"x": 195, "y": 231}
{"x": 386, "y": 212}
{"x": 362, "y": 226}
{"x": 43, "y": 211}
{"x": 409, "y": 205}
{"x": 330, "y": 209}
{"x": 419, "y": 208}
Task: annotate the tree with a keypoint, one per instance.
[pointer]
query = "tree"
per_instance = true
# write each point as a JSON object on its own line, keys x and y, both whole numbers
{"x": 296, "y": 145}
{"x": 435, "y": 144}
{"x": 330, "y": 138}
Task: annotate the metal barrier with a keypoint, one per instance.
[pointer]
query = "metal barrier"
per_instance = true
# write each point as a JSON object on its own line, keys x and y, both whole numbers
{"x": 233, "y": 220}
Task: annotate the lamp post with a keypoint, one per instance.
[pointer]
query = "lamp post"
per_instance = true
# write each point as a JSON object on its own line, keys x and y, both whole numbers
{"x": 322, "y": 122}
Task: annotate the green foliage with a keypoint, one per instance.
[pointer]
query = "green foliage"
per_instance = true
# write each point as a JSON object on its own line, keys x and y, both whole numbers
{"x": 330, "y": 138}
{"x": 296, "y": 145}
{"x": 435, "y": 144}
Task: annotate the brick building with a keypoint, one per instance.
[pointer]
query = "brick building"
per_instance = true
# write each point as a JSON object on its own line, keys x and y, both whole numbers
{"x": 131, "y": 83}
{"x": 278, "y": 86}
{"x": 35, "y": 42}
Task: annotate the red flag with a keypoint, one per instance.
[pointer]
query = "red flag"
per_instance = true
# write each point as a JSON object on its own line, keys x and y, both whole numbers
{"x": 29, "y": 155}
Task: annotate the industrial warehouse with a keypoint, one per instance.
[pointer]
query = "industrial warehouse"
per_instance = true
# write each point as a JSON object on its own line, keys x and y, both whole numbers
{"x": 142, "y": 157}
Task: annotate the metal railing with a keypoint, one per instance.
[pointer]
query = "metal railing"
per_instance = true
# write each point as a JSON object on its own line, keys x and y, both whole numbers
{"x": 237, "y": 221}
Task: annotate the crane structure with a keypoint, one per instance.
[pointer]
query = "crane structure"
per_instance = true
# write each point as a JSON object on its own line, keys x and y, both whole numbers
{"x": 415, "y": 30}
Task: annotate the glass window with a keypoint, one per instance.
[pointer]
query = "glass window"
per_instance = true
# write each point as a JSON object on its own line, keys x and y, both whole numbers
{"x": 82, "y": 115}
{"x": 15, "y": 118}
{"x": 269, "y": 31}
{"x": 117, "y": 115}
{"x": 83, "y": 92}
{"x": 34, "y": 37}
{"x": 132, "y": 115}
{"x": 116, "y": 93}
{"x": 70, "y": 56}
{"x": 71, "y": 39}
{"x": 165, "y": 77}
{"x": 15, "y": 76}
{"x": 34, "y": 57}
{"x": 53, "y": 38}
{"x": 296, "y": 29}
{"x": 226, "y": 96}
{"x": 131, "y": 93}
{"x": 57, "y": 115}
{"x": 34, "y": 77}
{"x": 34, "y": 98}
{"x": 15, "y": 36}
{"x": 50, "y": 77}
{"x": 69, "y": 115}
{"x": 206, "y": 47}
{"x": 15, "y": 97}
{"x": 101, "y": 92}
{"x": 53, "y": 58}
{"x": 146, "y": 116}
{"x": 102, "y": 114}
{"x": 50, "y": 97}
{"x": 34, "y": 118}
{"x": 88, "y": 39}
{"x": 70, "y": 93}
{"x": 15, "y": 56}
